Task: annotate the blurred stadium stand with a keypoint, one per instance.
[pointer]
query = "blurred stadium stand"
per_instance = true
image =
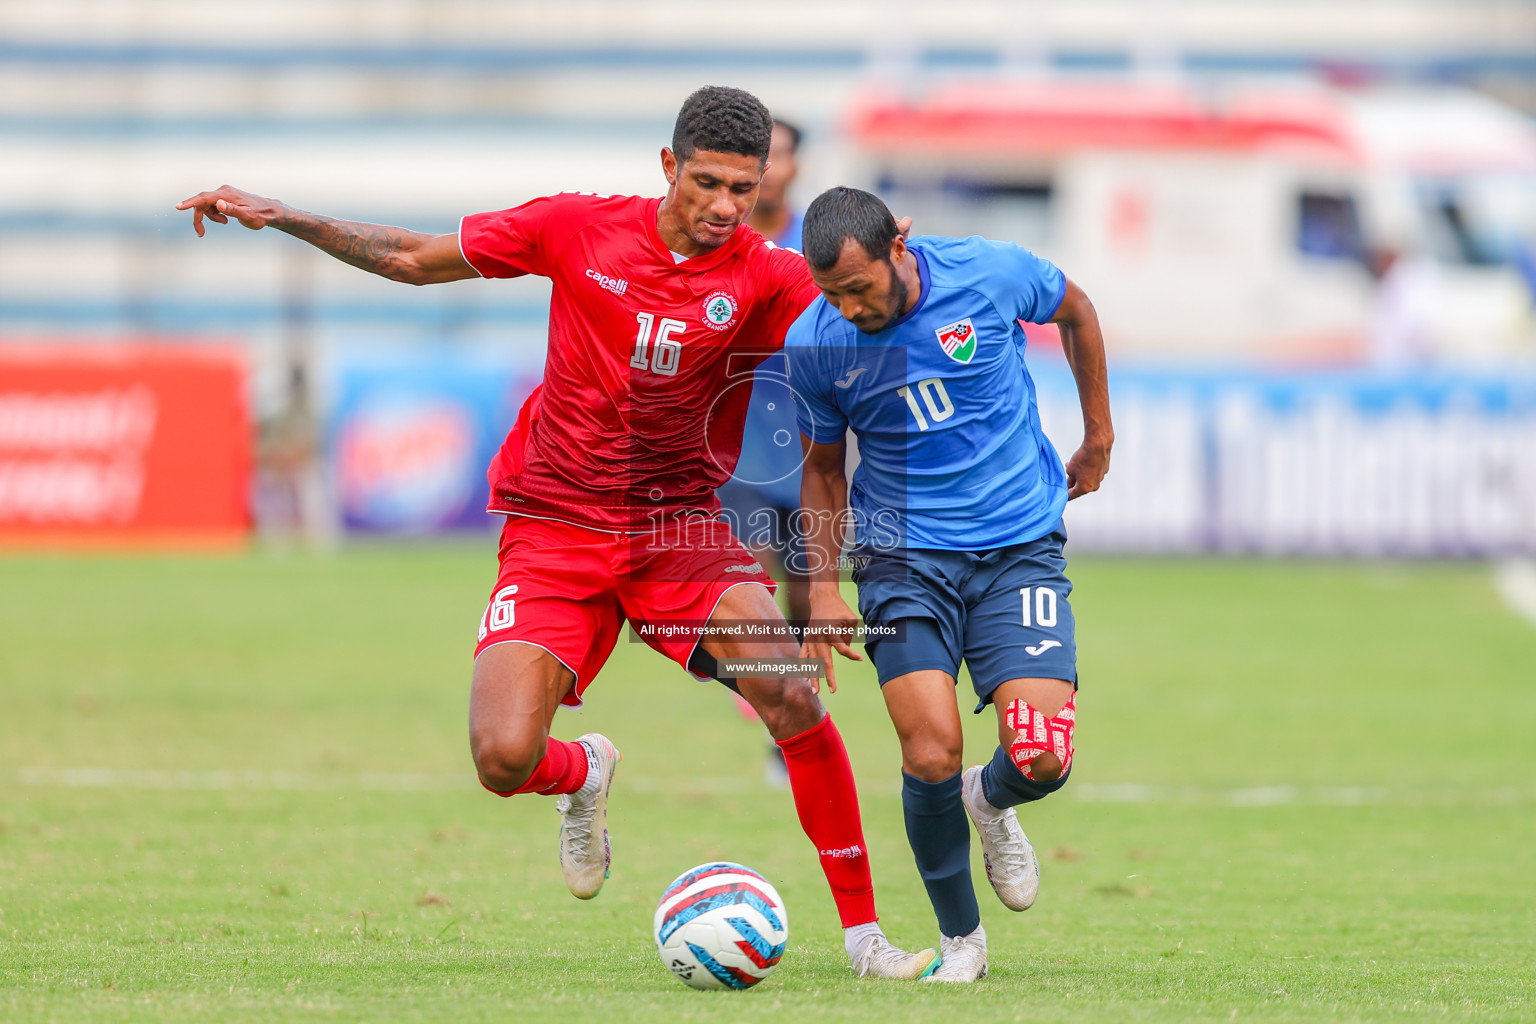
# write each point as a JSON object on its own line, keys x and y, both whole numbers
{"x": 417, "y": 111}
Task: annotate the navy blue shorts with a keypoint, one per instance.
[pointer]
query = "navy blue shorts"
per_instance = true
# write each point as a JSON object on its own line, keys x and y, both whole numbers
{"x": 1005, "y": 612}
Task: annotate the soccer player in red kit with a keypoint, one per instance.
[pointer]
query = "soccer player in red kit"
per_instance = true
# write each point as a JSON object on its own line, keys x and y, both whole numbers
{"x": 660, "y": 310}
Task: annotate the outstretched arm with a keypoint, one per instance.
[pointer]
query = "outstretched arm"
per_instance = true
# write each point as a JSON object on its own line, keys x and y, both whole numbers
{"x": 1083, "y": 343}
{"x": 395, "y": 253}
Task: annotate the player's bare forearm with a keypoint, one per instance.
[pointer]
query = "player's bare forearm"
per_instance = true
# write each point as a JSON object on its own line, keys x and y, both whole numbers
{"x": 412, "y": 257}
{"x": 376, "y": 248}
{"x": 823, "y": 500}
{"x": 824, "y": 503}
{"x": 1082, "y": 341}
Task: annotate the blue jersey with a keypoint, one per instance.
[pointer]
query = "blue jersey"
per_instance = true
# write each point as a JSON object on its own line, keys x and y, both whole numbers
{"x": 952, "y": 454}
{"x": 770, "y": 443}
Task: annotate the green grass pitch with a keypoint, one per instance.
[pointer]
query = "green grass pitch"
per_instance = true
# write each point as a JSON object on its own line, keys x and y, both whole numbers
{"x": 238, "y": 789}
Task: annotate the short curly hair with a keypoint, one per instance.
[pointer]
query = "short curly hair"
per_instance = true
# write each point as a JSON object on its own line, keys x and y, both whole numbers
{"x": 719, "y": 119}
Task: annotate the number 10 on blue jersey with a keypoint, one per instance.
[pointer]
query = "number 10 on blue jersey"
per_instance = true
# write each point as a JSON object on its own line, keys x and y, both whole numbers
{"x": 940, "y": 408}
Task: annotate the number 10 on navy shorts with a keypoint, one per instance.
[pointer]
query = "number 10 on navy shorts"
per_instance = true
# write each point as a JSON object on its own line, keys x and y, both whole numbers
{"x": 1005, "y": 612}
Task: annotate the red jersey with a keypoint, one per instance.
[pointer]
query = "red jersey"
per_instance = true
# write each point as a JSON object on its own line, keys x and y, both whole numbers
{"x": 650, "y": 360}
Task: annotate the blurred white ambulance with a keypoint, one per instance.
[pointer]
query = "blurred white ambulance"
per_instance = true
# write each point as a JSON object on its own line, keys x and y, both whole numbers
{"x": 1239, "y": 223}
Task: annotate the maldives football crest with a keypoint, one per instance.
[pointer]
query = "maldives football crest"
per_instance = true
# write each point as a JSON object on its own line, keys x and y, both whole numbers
{"x": 719, "y": 311}
{"x": 958, "y": 340}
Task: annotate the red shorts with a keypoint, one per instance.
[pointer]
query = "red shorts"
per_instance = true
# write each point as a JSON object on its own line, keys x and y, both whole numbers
{"x": 569, "y": 590}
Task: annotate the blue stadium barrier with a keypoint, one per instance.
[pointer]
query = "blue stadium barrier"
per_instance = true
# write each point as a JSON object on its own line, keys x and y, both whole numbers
{"x": 1427, "y": 464}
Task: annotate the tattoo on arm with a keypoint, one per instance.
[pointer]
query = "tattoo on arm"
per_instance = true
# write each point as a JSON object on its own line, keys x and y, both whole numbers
{"x": 376, "y": 248}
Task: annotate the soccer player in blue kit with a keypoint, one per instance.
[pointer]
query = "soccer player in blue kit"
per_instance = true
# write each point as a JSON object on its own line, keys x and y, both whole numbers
{"x": 917, "y": 346}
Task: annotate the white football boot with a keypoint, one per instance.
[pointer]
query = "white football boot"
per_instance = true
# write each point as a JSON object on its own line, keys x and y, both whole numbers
{"x": 877, "y": 958}
{"x": 1012, "y": 867}
{"x": 585, "y": 855}
{"x": 965, "y": 958}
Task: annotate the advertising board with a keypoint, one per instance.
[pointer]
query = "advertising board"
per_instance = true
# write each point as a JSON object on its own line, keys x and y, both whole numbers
{"x": 1353, "y": 464}
{"x": 123, "y": 445}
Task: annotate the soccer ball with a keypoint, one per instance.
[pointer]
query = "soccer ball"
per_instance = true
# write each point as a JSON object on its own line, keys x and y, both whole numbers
{"x": 721, "y": 925}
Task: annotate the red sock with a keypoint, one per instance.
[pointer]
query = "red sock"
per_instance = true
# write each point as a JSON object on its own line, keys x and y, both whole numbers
{"x": 562, "y": 770}
{"x": 822, "y": 782}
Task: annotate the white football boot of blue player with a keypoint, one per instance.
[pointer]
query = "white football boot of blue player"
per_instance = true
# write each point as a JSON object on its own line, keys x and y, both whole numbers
{"x": 585, "y": 855}
{"x": 965, "y": 958}
{"x": 1012, "y": 867}
{"x": 875, "y": 957}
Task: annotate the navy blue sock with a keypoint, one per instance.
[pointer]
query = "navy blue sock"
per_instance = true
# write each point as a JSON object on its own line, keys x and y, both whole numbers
{"x": 1006, "y": 786}
{"x": 941, "y": 843}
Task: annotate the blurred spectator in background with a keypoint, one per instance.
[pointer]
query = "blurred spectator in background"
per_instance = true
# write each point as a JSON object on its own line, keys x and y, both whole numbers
{"x": 1405, "y": 308}
{"x": 292, "y": 498}
{"x": 763, "y": 494}
{"x": 773, "y": 217}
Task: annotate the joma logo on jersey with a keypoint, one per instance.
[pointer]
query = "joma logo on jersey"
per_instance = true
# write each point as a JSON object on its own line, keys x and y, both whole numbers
{"x": 958, "y": 340}
{"x": 719, "y": 310}
{"x": 617, "y": 285}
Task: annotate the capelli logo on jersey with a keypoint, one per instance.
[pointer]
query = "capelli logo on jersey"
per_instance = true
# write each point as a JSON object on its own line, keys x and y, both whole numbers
{"x": 617, "y": 285}
{"x": 719, "y": 310}
{"x": 844, "y": 852}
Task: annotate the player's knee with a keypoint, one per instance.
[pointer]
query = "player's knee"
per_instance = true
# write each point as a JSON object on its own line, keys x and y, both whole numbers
{"x": 1039, "y": 747}
{"x": 506, "y": 760}
{"x": 931, "y": 759}
{"x": 796, "y": 710}
{"x": 1046, "y": 767}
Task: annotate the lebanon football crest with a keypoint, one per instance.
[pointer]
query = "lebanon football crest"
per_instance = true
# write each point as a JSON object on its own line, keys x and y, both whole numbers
{"x": 958, "y": 340}
{"x": 719, "y": 310}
